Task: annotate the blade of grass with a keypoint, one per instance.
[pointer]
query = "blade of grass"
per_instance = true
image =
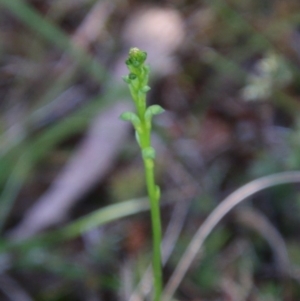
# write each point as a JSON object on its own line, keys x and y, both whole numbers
{"x": 12, "y": 188}
{"x": 51, "y": 33}
{"x": 48, "y": 139}
{"x": 95, "y": 219}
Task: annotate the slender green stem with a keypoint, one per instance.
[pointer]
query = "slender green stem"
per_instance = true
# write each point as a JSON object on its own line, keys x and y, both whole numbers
{"x": 152, "y": 189}
{"x": 156, "y": 228}
{"x": 137, "y": 81}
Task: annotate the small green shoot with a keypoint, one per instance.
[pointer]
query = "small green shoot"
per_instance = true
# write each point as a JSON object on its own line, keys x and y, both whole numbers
{"x": 137, "y": 80}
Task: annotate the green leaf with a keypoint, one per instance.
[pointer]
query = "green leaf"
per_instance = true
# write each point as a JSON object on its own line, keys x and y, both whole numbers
{"x": 153, "y": 110}
{"x": 129, "y": 116}
{"x": 145, "y": 89}
{"x": 148, "y": 153}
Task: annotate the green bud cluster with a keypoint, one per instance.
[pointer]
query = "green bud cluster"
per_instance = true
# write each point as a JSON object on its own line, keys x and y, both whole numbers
{"x": 136, "y": 57}
{"x": 137, "y": 81}
{"x": 138, "y": 77}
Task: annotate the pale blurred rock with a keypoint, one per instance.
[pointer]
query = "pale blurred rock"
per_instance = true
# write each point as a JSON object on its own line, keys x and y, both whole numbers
{"x": 158, "y": 31}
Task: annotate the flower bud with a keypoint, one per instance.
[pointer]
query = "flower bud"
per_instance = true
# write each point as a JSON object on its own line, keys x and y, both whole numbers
{"x": 126, "y": 79}
{"x": 132, "y": 76}
{"x": 136, "y": 57}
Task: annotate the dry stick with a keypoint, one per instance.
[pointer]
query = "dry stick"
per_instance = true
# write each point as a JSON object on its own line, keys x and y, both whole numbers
{"x": 214, "y": 218}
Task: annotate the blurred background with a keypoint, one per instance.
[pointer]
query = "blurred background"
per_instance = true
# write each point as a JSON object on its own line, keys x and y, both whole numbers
{"x": 74, "y": 218}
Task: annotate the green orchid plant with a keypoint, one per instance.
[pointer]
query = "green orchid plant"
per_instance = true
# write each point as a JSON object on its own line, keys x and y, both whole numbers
{"x": 137, "y": 80}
